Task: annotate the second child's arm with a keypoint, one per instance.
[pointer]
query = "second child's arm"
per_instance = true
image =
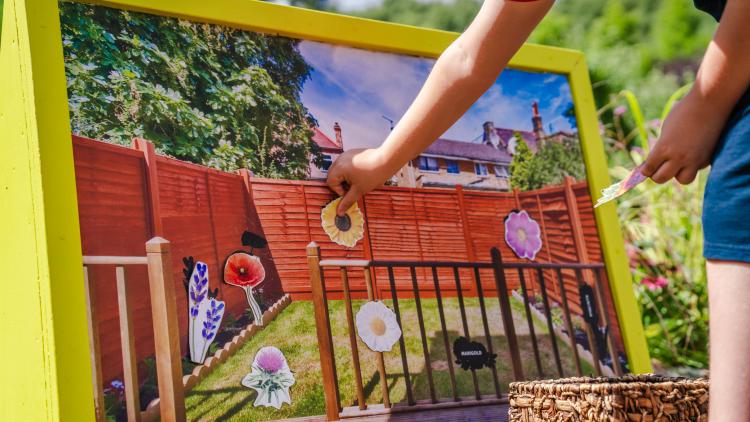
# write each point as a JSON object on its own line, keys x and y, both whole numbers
{"x": 465, "y": 70}
{"x": 693, "y": 127}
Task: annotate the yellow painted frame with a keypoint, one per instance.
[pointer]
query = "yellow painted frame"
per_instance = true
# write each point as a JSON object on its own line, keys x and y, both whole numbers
{"x": 44, "y": 372}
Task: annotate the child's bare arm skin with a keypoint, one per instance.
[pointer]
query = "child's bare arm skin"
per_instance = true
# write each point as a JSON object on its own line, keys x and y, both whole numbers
{"x": 692, "y": 129}
{"x": 466, "y": 69}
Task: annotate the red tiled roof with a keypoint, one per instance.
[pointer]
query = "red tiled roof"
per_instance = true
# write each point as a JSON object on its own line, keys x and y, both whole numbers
{"x": 468, "y": 150}
{"x": 324, "y": 141}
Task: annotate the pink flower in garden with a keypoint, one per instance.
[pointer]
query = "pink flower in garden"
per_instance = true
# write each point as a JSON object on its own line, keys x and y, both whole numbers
{"x": 523, "y": 235}
{"x": 655, "y": 123}
{"x": 620, "y": 110}
{"x": 654, "y": 283}
{"x": 270, "y": 359}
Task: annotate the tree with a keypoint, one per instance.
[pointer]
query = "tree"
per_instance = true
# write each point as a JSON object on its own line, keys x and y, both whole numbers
{"x": 203, "y": 93}
{"x": 549, "y": 166}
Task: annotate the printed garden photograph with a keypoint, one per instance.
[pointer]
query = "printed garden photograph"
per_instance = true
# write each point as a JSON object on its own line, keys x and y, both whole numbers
{"x": 237, "y": 130}
{"x": 526, "y": 262}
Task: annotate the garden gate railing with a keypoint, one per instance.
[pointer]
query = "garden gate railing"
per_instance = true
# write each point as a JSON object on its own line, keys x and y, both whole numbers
{"x": 166, "y": 333}
{"x": 537, "y": 271}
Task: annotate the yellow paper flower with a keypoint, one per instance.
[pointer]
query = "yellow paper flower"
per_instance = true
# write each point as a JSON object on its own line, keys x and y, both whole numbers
{"x": 345, "y": 230}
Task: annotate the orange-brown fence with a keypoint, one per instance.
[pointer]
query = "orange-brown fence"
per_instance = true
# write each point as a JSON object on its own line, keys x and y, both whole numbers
{"x": 430, "y": 224}
{"x": 128, "y": 195}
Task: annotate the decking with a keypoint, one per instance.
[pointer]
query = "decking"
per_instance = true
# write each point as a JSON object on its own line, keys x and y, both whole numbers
{"x": 497, "y": 412}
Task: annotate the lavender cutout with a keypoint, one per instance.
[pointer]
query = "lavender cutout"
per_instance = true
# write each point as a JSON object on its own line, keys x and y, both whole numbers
{"x": 204, "y": 311}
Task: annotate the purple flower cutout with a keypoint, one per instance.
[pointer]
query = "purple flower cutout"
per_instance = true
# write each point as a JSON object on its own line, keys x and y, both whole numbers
{"x": 523, "y": 235}
{"x": 270, "y": 359}
{"x": 213, "y": 317}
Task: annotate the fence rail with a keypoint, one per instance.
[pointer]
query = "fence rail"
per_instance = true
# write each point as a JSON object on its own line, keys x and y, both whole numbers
{"x": 166, "y": 336}
{"x": 334, "y": 407}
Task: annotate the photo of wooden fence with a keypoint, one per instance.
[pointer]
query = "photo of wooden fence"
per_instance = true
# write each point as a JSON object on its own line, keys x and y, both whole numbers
{"x": 129, "y": 195}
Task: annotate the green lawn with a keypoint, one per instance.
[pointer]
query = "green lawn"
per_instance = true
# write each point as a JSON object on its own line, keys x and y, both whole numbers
{"x": 220, "y": 396}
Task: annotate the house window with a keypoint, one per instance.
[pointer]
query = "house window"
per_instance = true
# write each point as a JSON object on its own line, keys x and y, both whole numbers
{"x": 428, "y": 164}
{"x": 481, "y": 169}
{"x": 327, "y": 161}
{"x": 501, "y": 172}
{"x": 452, "y": 166}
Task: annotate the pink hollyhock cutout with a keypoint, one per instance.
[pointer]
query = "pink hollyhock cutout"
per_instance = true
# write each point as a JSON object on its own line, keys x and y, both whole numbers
{"x": 655, "y": 283}
{"x": 523, "y": 235}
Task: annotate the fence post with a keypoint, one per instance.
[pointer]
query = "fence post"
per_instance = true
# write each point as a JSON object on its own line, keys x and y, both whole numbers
{"x": 323, "y": 329}
{"x": 506, "y": 313}
{"x": 470, "y": 254}
{"x": 152, "y": 183}
{"x": 96, "y": 359}
{"x": 127, "y": 342}
{"x": 575, "y": 221}
{"x": 166, "y": 331}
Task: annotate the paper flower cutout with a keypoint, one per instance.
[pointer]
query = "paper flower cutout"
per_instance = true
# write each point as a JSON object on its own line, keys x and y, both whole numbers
{"x": 345, "y": 230}
{"x": 377, "y": 326}
{"x": 270, "y": 377}
{"x": 244, "y": 270}
{"x": 205, "y": 313}
{"x": 522, "y": 234}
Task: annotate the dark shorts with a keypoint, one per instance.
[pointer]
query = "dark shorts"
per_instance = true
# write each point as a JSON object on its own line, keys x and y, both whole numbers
{"x": 726, "y": 204}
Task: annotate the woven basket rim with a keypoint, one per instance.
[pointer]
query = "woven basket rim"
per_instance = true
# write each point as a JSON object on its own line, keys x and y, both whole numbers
{"x": 626, "y": 382}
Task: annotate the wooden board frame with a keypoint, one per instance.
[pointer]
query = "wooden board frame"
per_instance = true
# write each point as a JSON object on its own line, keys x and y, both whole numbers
{"x": 45, "y": 366}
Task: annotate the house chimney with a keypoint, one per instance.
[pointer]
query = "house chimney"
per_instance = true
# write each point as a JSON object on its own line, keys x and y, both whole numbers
{"x": 339, "y": 138}
{"x": 536, "y": 121}
{"x": 489, "y": 128}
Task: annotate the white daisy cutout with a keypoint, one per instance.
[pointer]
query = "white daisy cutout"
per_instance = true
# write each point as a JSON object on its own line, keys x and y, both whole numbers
{"x": 377, "y": 326}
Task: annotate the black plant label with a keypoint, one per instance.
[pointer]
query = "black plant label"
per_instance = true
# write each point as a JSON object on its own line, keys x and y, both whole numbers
{"x": 472, "y": 355}
{"x": 588, "y": 303}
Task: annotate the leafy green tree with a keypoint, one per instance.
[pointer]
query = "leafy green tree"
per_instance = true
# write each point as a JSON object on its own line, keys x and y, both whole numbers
{"x": 203, "y": 93}
{"x": 549, "y": 166}
{"x": 520, "y": 166}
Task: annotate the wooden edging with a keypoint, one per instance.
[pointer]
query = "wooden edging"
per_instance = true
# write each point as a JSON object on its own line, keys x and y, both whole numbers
{"x": 199, "y": 372}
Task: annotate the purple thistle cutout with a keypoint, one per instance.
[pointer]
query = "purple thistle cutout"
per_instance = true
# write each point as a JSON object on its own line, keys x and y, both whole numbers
{"x": 270, "y": 360}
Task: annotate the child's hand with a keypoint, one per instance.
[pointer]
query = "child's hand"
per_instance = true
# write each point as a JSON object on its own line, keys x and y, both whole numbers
{"x": 355, "y": 173}
{"x": 687, "y": 141}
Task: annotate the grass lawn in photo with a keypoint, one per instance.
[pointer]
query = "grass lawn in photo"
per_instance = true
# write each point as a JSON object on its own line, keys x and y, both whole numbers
{"x": 220, "y": 396}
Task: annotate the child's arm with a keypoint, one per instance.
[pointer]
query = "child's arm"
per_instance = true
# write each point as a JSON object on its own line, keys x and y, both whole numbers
{"x": 466, "y": 69}
{"x": 692, "y": 129}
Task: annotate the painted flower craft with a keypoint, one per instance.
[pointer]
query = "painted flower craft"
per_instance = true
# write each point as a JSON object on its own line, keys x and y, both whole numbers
{"x": 377, "y": 326}
{"x": 620, "y": 188}
{"x": 245, "y": 270}
{"x": 204, "y": 313}
{"x": 270, "y": 377}
{"x": 523, "y": 235}
{"x": 344, "y": 230}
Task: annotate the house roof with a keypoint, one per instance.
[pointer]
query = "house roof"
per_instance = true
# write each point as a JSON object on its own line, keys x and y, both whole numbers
{"x": 324, "y": 141}
{"x": 528, "y": 137}
{"x": 468, "y": 150}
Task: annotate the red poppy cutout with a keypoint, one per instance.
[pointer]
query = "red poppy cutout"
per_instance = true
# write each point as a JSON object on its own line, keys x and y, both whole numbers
{"x": 244, "y": 270}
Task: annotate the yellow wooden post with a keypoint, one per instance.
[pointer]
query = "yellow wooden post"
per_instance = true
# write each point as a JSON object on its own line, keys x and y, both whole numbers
{"x": 45, "y": 372}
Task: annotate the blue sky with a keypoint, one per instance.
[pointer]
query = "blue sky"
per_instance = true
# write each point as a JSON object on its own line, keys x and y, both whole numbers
{"x": 358, "y": 87}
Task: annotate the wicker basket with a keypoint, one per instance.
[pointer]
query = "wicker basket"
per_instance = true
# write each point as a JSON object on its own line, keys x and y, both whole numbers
{"x": 639, "y": 398}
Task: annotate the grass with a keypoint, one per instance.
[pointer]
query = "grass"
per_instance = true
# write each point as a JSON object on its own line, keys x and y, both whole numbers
{"x": 221, "y": 397}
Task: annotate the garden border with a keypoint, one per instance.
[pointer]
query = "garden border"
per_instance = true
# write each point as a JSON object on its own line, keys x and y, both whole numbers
{"x": 220, "y": 356}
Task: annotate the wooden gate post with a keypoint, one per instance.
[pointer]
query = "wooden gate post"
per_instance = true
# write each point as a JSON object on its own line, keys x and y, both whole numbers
{"x": 166, "y": 331}
{"x": 323, "y": 328}
{"x": 506, "y": 313}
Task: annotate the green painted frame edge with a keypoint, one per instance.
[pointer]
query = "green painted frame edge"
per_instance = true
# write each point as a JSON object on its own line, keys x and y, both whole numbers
{"x": 39, "y": 181}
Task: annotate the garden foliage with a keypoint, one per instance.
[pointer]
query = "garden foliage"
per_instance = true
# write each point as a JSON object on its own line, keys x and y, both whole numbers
{"x": 549, "y": 166}
{"x": 207, "y": 94}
